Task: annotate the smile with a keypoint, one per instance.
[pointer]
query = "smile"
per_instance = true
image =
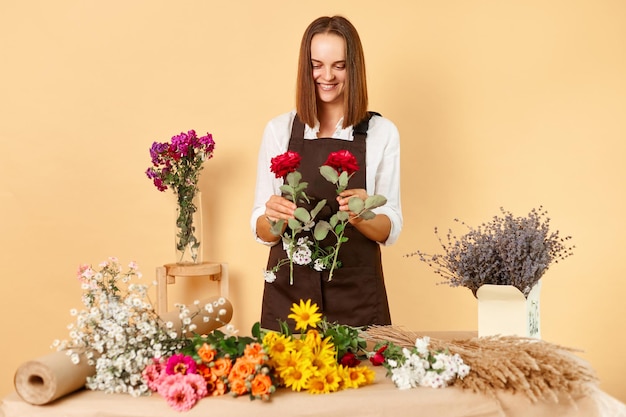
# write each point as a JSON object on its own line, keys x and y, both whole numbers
{"x": 327, "y": 87}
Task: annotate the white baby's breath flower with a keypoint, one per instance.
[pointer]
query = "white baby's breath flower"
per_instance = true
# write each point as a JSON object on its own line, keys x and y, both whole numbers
{"x": 118, "y": 331}
{"x": 269, "y": 276}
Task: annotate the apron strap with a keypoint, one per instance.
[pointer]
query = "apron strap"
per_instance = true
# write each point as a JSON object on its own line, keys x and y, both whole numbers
{"x": 359, "y": 131}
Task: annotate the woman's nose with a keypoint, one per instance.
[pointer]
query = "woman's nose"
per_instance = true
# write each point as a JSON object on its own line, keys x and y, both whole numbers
{"x": 328, "y": 73}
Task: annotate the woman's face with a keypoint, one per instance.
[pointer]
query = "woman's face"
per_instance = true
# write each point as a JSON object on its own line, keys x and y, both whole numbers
{"x": 328, "y": 59}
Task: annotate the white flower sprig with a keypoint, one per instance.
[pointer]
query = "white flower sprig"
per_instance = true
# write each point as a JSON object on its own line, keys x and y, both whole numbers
{"x": 119, "y": 332}
{"x": 421, "y": 367}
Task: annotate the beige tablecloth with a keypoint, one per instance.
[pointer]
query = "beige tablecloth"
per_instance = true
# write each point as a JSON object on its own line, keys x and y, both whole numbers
{"x": 379, "y": 399}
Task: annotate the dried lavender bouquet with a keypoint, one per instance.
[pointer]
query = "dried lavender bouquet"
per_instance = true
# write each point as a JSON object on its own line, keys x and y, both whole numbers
{"x": 508, "y": 250}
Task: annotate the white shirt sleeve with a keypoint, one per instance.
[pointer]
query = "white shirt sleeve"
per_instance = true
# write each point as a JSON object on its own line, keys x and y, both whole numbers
{"x": 275, "y": 142}
{"x": 383, "y": 171}
{"x": 383, "y": 166}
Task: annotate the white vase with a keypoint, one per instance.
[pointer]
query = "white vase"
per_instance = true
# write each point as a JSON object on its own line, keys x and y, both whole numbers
{"x": 503, "y": 310}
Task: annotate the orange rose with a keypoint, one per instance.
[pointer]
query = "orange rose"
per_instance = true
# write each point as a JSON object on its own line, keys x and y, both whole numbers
{"x": 238, "y": 386}
{"x": 207, "y": 353}
{"x": 261, "y": 386}
{"x": 221, "y": 367}
{"x": 205, "y": 372}
{"x": 219, "y": 388}
{"x": 254, "y": 353}
{"x": 242, "y": 369}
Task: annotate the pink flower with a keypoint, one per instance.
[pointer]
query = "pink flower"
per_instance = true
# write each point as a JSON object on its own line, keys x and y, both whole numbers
{"x": 180, "y": 364}
{"x": 84, "y": 272}
{"x": 153, "y": 374}
{"x": 179, "y": 394}
{"x": 198, "y": 384}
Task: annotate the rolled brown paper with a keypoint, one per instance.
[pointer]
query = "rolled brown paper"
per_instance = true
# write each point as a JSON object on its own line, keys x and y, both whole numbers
{"x": 53, "y": 376}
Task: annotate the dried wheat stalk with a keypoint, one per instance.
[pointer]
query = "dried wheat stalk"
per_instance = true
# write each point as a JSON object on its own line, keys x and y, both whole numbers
{"x": 532, "y": 367}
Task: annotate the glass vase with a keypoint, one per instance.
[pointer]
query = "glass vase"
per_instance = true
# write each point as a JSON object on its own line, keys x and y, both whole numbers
{"x": 188, "y": 228}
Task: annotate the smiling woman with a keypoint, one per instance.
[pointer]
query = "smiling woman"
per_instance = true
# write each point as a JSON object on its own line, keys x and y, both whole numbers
{"x": 328, "y": 53}
{"x": 331, "y": 117}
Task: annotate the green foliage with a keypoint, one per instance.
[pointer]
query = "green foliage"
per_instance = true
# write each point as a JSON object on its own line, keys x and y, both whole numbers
{"x": 346, "y": 338}
{"x": 231, "y": 346}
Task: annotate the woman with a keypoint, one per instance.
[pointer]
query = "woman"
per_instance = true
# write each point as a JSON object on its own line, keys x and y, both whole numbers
{"x": 331, "y": 115}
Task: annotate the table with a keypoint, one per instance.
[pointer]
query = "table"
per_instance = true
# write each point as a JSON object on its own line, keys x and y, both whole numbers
{"x": 377, "y": 400}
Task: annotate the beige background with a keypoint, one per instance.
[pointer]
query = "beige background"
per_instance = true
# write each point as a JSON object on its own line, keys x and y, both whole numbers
{"x": 499, "y": 103}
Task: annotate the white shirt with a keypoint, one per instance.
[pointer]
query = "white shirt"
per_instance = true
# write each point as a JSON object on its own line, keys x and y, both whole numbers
{"x": 382, "y": 159}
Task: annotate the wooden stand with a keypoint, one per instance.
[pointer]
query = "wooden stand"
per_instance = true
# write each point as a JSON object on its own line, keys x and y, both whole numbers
{"x": 167, "y": 274}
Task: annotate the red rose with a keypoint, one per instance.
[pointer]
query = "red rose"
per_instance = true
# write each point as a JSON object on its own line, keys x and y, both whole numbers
{"x": 349, "y": 360}
{"x": 285, "y": 163}
{"x": 378, "y": 358}
{"x": 342, "y": 161}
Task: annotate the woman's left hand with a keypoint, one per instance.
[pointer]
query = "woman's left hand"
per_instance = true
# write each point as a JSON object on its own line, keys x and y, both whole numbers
{"x": 345, "y": 196}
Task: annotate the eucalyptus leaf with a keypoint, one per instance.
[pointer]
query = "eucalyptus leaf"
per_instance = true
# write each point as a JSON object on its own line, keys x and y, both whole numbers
{"x": 367, "y": 215}
{"x": 356, "y": 205}
{"x": 343, "y": 216}
{"x": 343, "y": 180}
{"x": 294, "y": 224}
{"x": 334, "y": 220}
{"x": 277, "y": 227}
{"x": 293, "y": 178}
{"x": 301, "y": 187}
{"x": 321, "y": 230}
{"x": 329, "y": 173}
{"x": 374, "y": 201}
{"x": 287, "y": 189}
{"x": 317, "y": 208}
{"x": 302, "y": 214}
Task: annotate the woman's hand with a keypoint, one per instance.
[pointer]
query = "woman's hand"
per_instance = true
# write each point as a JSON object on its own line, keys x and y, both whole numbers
{"x": 344, "y": 197}
{"x": 376, "y": 229}
{"x": 277, "y": 208}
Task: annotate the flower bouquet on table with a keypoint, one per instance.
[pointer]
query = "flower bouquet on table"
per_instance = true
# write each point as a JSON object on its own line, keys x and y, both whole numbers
{"x": 419, "y": 366}
{"x": 305, "y": 249}
{"x": 323, "y": 358}
{"x": 507, "y": 250}
{"x": 209, "y": 366}
{"x": 135, "y": 351}
{"x": 177, "y": 164}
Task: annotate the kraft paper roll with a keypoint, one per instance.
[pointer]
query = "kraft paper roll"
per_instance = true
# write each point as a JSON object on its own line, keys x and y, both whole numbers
{"x": 53, "y": 376}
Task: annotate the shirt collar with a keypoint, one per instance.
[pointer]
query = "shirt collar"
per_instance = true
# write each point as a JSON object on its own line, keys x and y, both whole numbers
{"x": 340, "y": 133}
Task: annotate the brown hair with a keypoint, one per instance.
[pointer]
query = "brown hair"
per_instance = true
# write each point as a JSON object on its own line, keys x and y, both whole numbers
{"x": 355, "y": 103}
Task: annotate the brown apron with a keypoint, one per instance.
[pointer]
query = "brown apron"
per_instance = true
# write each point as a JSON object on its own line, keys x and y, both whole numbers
{"x": 356, "y": 296}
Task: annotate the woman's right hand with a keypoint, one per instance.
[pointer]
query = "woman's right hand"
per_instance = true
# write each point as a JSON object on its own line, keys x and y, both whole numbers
{"x": 278, "y": 207}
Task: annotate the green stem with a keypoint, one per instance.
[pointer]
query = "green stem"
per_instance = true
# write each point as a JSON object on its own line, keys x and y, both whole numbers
{"x": 336, "y": 254}
{"x": 291, "y": 245}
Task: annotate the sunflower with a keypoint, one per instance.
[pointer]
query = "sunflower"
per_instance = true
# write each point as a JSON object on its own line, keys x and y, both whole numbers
{"x": 333, "y": 380}
{"x": 305, "y": 314}
{"x": 278, "y": 347}
{"x": 318, "y": 385}
{"x": 324, "y": 358}
{"x": 353, "y": 377}
{"x": 298, "y": 377}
